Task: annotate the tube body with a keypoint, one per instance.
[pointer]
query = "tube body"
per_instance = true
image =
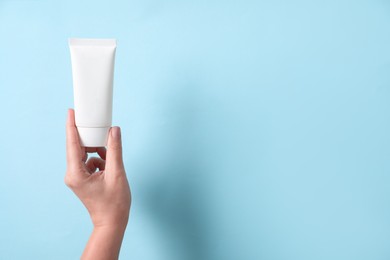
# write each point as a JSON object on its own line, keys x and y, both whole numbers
{"x": 93, "y": 73}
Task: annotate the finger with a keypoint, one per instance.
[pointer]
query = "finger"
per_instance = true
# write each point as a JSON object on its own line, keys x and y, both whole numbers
{"x": 95, "y": 163}
{"x": 74, "y": 153}
{"x": 90, "y": 149}
{"x": 85, "y": 157}
{"x": 101, "y": 151}
{"x": 114, "y": 161}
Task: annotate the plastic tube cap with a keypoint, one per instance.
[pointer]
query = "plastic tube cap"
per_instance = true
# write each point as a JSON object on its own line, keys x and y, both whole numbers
{"x": 93, "y": 136}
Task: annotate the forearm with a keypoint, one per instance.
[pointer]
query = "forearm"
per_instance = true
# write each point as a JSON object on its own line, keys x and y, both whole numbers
{"x": 104, "y": 243}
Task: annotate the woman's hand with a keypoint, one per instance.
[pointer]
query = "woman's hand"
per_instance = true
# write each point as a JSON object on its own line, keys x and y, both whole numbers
{"x": 102, "y": 186}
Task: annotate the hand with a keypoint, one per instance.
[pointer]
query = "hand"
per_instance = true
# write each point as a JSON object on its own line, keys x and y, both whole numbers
{"x": 105, "y": 193}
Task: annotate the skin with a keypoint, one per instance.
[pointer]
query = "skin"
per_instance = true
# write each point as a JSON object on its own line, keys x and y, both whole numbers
{"x": 101, "y": 185}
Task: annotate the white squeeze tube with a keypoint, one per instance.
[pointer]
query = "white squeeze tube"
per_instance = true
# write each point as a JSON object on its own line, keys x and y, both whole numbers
{"x": 93, "y": 73}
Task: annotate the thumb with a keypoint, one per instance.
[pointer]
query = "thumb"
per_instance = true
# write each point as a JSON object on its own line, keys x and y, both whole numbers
{"x": 114, "y": 161}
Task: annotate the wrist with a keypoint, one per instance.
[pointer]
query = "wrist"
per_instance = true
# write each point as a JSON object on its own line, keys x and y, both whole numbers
{"x": 115, "y": 226}
{"x": 110, "y": 230}
{"x": 104, "y": 242}
{"x": 112, "y": 221}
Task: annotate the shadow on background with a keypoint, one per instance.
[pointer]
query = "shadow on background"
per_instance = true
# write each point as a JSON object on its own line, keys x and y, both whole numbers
{"x": 176, "y": 209}
{"x": 174, "y": 186}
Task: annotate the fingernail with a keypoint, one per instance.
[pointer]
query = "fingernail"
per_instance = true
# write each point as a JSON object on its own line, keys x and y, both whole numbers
{"x": 116, "y": 132}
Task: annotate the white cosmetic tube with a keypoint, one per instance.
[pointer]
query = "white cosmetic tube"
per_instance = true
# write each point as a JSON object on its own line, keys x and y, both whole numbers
{"x": 93, "y": 73}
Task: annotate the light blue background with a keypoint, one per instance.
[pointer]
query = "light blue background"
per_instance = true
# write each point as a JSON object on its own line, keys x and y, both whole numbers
{"x": 251, "y": 129}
